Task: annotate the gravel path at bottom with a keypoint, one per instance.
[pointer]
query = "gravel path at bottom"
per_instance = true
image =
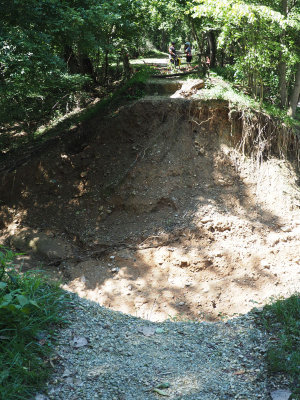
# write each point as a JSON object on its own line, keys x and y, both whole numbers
{"x": 107, "y": 355}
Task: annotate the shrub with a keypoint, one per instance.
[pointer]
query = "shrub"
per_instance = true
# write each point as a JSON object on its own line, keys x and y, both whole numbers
{"x": 30, "y": 309}
{"x": 282, "y": 321}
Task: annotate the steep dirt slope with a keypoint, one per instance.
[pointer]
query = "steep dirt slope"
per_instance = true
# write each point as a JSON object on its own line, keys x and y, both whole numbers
{"x": 154, "y": 212}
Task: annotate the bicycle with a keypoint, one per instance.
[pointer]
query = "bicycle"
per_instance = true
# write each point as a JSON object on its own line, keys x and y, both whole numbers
{"x": 174, "y": 63}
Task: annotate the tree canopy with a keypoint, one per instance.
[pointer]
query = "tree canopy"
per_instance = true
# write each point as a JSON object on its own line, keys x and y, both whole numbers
{"x": 262, "y": 39}
{"x": 51, "y": 49}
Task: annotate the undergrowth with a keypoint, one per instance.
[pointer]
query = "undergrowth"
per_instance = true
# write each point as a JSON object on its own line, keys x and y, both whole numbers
{"x": 30, "y": 310}
{"x": 282, "y": 321}
{"x": 129, "y": 90}
{"x": 216, "y": 88}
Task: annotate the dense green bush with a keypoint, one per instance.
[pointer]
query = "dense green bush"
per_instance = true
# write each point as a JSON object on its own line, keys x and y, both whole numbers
{"x": 30, "y": 308}
{"x": 227, "y": 72}
{"x": 33, "y": 79}
{"x": 282, "y": 320}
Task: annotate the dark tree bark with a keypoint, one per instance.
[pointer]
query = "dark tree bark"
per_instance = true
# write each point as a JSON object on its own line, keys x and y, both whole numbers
{"x": 71, "y": 60}
{"x": 86, "y": 66}
{"x": 78, "y": 64}
{"x": 164, "y": 41}
{"x": 211, "y": 39}
{"x": 282, "y": 83}
{"x": 282, "y": 64}
{"x": 222, "y": 58}
{"x": 295, "y": 94}
{"x": 105, "y": 66}
{"x": 195, "y": 35}
{"x": 199, "y": 42}
{"x": 126, "y": 65}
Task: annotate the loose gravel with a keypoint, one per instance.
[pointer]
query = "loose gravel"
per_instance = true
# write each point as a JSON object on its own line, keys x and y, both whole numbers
{"x": 108, "y": 355}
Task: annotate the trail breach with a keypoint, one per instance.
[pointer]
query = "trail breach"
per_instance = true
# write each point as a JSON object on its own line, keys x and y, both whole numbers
{"x": 155, "y": 211}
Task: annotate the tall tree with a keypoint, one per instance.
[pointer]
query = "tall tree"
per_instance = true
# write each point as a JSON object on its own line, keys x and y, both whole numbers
{"x": 295, "y": 94}
{"x": 261, "y": 36}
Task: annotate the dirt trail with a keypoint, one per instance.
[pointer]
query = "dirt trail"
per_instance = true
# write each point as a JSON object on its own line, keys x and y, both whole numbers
{"x": 153, "y": 212}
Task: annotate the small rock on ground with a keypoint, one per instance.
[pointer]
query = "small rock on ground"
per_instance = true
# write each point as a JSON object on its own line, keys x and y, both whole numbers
{"x": 178, "y": 360}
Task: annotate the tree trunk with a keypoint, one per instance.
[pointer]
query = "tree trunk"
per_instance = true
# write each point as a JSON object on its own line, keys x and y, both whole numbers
{"x": 195, "y": 35}
{"x": 105, "y": 66}
{"x": 126, "y": 65}
{"x": 295, "y": 94}
{"x": 282, "y": 83}
{"x": 164, "y": 41}
{"x": 212, "y": 48}
{"x": 86, "y": 66}
{"x": 198, "y": 40}
{"x": 282, "y": 64}
{"x": 71, "y": 60}
{"x": 284, "y": 7}
{"x": 222, "y": 58}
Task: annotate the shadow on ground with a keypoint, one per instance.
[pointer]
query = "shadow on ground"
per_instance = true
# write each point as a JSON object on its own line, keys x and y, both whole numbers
{"x": 158, "y": 217}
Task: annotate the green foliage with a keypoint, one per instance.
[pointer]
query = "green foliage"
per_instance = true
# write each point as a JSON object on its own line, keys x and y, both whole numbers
{"x": 228, "y": 72}
{"x": 257, "y": 37}
{"x": 51, "y": 49}
{"x": 32, "y": 78}
{"x": 282, "y": 320}
{"x": 132, "y": 89}
{"x": 167, "y": 21}
{"x": 218, "y": 89}
{"x": 142, "y": 74}
{"x": 30, "y": 307}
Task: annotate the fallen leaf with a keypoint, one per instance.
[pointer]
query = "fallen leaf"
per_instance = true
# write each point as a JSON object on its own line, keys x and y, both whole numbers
{"x": 79, "y": 341}
{"x": 161, "y": 392}
{"x": 281, "y": 394}
{"x": 147, "y": 330}
{"x": 240, "y": 372}
{"x": 51, "y": 359}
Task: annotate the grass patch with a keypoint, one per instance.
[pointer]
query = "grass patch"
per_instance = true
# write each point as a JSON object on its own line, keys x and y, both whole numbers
{"x": 216, "y": 88}
{"x": 281, "y": 319}
{"x": 30, "y": 311}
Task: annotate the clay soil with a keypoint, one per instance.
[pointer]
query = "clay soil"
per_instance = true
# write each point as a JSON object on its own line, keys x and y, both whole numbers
{"x": 158, "y": 214}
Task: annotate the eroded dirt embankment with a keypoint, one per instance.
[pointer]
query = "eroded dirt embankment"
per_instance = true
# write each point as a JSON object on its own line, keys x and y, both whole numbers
{"x": 156, "y": 213}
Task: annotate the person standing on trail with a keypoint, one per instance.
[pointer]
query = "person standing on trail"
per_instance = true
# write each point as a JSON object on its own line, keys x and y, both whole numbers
{"x": 188, "y": 53}
{"x": 173, "y": 54}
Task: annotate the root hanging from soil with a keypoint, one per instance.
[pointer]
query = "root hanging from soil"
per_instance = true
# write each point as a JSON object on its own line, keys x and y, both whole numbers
{"x": 263, "y": 137}
{"x": 172, "y": 207}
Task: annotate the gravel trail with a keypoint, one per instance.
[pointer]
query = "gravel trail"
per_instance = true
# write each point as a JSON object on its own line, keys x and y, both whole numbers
{"x": 108, "y": 355}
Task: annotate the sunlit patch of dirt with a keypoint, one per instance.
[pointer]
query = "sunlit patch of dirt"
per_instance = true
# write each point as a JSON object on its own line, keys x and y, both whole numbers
{"x": 162, "y": 216}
